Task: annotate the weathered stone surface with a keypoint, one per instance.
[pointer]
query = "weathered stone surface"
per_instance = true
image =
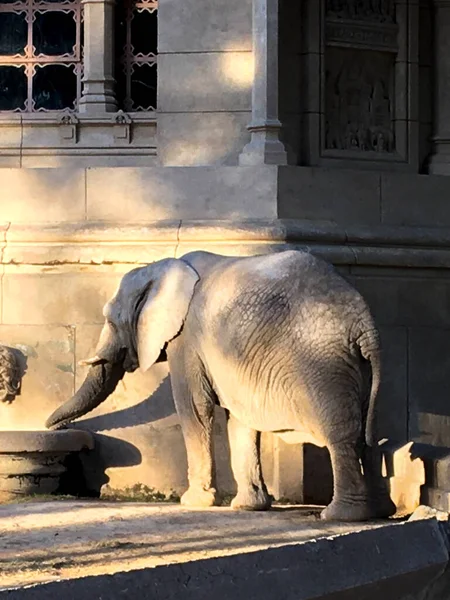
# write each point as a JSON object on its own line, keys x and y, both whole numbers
{"x": 427, "y": 204}
{"x": 406, "y": 474}
{"x": 199, "y": 139}
{"x": 43, "y": 195}
{"x": 67, "y": 294}
{"x": 206, "y": 81}
{"x": 324, "y": 194}
{"x": 429, "y": 359}
{"x": 193, "y": 27}
{"x": 44, "y": 441}
{"x": 288, "y": 549}
{"x": 181, "y": 193}
{"x": 48, "y": 360}
{"x": 426, "y": 512}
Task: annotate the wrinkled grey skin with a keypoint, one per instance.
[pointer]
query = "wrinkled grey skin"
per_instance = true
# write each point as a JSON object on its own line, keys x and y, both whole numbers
{"x": 281, "y": 341}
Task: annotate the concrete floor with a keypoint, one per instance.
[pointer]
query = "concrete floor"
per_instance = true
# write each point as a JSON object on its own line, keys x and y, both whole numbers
{"x": 48, "y": 541}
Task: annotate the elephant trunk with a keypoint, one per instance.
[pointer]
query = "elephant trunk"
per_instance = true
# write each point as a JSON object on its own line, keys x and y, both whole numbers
{"x": 100, "y": 382}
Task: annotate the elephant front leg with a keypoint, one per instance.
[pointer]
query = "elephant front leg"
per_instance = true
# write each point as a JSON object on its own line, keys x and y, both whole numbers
{"x": 245, "y": 462}
{"x": 195, "y": 409}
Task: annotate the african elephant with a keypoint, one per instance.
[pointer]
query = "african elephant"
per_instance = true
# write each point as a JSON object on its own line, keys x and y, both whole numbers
{"x": 281, "y": 341}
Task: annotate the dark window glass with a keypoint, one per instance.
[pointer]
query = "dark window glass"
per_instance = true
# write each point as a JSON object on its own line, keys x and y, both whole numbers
{"x": 13, "y": 33}
{"x": 144, "y": 32}
{"x": 13, "y": 88}
{"x": 143, "y": 86}
{"x": 54, "y": 87}
{"x": 54, "y": 33}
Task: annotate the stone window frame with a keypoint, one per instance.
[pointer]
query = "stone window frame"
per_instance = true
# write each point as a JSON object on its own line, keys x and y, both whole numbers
{"x": 406, "y": 77}
{"x": 98, "y": 132}
{"x": 31, "y": 61}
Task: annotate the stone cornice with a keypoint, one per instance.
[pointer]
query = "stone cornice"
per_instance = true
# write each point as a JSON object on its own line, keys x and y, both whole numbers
{"x": 137, "y": 243}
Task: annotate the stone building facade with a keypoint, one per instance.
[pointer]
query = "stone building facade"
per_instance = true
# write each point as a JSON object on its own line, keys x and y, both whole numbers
{"x": 314, "y": 124}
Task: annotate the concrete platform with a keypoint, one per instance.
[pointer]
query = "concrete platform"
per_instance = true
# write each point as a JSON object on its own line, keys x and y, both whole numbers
{"x": 94, "y": 550}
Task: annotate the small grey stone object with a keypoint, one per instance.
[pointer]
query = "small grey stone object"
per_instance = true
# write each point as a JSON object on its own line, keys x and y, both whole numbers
{"x": 10, "y": 375}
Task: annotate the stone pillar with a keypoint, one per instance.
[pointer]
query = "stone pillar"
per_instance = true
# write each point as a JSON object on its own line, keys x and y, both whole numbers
{"x": 98, "y": 89}
{"x": 265, "y": 146}
{"x": 440, "y": 158}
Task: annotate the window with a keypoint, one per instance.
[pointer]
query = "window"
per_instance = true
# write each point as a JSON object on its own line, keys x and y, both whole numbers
{"x": 40, "y": 55}
{"x": 136, "y": 54}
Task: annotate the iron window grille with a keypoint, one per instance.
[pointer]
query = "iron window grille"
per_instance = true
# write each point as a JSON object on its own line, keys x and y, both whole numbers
{"x": 40, "y": 55}
{"x": 136, "y": 54}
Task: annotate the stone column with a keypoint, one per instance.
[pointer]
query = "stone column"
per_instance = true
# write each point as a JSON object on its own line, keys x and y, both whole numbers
{"x": 265, "y": 146}
{"x": 440, "y": 158}
{"x": 98, "y": 89}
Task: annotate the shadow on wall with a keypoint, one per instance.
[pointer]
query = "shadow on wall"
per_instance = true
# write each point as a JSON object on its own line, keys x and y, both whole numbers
{"x": 86, "y": 471}
{"x": 155, "y": 407}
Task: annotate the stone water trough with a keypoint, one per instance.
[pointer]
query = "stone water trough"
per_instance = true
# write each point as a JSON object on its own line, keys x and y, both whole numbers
{"x": 32, "y": 462}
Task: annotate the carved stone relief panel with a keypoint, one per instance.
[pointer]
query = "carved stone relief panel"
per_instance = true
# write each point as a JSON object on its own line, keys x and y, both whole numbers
{"x": 359, "y": 101}
{"x": 360, "y": 52}
{"x": 382, "y": 11}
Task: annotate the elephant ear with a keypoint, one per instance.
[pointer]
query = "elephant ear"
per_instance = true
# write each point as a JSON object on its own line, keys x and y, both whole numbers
{"x": 165, "y": 309}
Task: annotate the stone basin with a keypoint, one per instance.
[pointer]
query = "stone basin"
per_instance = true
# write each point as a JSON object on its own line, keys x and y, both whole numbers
{"x": 32, "y": 462}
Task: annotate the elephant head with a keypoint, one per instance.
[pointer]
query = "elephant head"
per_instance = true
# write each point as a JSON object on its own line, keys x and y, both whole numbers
{"x": 147, "y": 311}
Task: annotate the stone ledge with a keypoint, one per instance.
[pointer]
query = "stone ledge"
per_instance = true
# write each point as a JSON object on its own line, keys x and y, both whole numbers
{"x": 394, "y": 562}
{"x": 73, "y": 440}
{"x": 86, "y": 242}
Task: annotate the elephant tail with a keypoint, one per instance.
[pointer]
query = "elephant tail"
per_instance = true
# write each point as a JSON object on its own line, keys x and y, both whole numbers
{"x": 369, "y": 345}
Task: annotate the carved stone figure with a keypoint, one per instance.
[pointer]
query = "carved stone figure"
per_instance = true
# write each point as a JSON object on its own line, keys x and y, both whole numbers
{"x": 280, "y": 341}
{"x": 359, "y": 101}
{"x": 10, "y": 375}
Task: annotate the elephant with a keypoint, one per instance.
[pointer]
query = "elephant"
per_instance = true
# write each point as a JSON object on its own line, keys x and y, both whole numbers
{"x": 281, "y": 341}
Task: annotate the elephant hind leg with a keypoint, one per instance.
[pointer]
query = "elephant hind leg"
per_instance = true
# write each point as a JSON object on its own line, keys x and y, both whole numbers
{"x": 245, "y": 461}
{"x": 382, "y": 505}
{"x": 351, "y": 500}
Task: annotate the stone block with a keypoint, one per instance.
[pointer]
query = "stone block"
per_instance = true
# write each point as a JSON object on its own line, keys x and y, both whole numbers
{"x": 42, "y": 195}
{"x": 406, "y": 474}
{"x": 181, "y": 193}
{"x": 429, "y": 364}
{"x": 340, "y": 196}
{"x": 403, "y": 301}
{"x": 90, "y": 243}
{"x": 427, "y": 200}
{"x": 218, "y": 81}
{"x": 196, "y": 139}
{"x": 393, "y": 394}
{"x": 54, "y": 295}
{"x": 48, "y": 357}
{"x": 205, "y": 26}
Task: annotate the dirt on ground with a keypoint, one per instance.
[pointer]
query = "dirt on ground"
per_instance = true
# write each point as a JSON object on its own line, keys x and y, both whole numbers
{"x": 47, "y": 541}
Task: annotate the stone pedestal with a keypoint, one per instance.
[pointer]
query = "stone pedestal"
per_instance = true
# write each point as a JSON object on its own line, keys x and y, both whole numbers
{"x": 98, "y": 91}
{"x": 32, "y": 462}
{"x": 440, "y": 159}
{"x": 265, "y": 146}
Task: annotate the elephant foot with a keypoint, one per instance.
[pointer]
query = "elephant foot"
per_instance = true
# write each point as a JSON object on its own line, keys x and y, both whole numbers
{"x": 199, "y": 497}
{"x": 339, "y": 510}
{"x": 253, "y": 498}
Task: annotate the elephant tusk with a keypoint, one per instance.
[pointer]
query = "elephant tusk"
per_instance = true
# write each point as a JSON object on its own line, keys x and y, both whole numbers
{"x": 90, "y": 361}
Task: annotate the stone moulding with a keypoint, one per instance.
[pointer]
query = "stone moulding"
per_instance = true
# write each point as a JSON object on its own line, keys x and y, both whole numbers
{"x": 137, "y": 243}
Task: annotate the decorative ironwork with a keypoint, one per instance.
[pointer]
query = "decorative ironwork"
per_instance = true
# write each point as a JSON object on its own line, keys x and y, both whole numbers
{"x": 136, "y": 61}
{"x": 40, "y": 55}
